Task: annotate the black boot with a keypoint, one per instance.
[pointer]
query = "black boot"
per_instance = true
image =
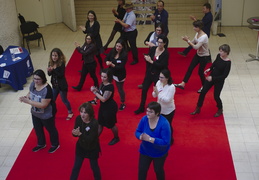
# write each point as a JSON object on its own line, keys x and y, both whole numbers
{"x": 196, "y": 111}
{"x": 218, "y": 113}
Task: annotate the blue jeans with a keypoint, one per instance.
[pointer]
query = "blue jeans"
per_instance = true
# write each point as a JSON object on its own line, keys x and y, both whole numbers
{"x": 63, "y": 95}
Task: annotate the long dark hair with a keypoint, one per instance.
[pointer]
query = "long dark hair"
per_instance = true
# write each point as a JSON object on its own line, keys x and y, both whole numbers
{"x": 109, "y": 74}
{"x": 123, "y": 51}
{"x": 167, "y": 75}
{"x": 41, "y": 74}
{"x": 92, "y": 12}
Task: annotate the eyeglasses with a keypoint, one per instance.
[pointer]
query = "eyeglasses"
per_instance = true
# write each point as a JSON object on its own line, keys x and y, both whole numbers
{"x": 37, "y": 79}
{"x": 150, "y": 112}
{"x": 161, "y": 77}
{"x": 160, "y": 42}
{"x": 158, "y": 30}
{"x": 88, "y": 39}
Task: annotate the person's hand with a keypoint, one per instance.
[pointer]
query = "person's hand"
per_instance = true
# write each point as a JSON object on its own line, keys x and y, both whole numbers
{"x": 82, "y": 28}
{"x": 108, "y": 63}
{"x": 76, "y": 132}
{"x": 114, "y": 11}
{"x": 24, "y": 99}
{"x": 206, "y": 71}
{"x": 152, "y": 17}
{"x": 185, "y": 38}
{"x": 192, "y": 17}
{"x": 209, "y": 78}
{"x": 155, "y": 90}
{"x": 148, "y": 58}
{"x": 50, "y": 68}
{"x": 93, "y": 89}
{"x": 77, "y": 44}
{"x": 145, "y": 137}
{"x": 117, "y": 20}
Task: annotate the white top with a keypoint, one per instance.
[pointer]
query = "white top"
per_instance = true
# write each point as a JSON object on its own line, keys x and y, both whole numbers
{"x": 201, "y": 44}
{"x": 165, "y": 97}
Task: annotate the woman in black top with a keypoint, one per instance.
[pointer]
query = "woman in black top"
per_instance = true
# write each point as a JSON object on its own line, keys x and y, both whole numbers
{"x": 117, "y": 26}
{"x": 87, "y": 146}
{"x": 89, "y": 64}
{"x": 92, "y": 26}
{"x": 157, "y": 60}
{"x": 219, "y": 71}
{"x": 56, "y": 69}
{"x": 107, "y": 115}
{"x": 116, "y": 60}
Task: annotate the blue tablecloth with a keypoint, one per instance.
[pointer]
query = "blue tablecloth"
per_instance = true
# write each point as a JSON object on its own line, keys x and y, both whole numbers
{"x": 15, "y": 72}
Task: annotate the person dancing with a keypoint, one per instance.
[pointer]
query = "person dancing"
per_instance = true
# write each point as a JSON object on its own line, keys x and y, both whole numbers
{"x": 201, "y": 43}
{"x": 92, "y": 26}
{"x": 119, "y": 13}
{"x": 154, "y": 133}
{"x": 89, "y": 63}
{"x": 164, "y": 91}
{"x": 56, "y": 69}
{"x": 87, "y": 146}
{"x": 116, "y": 60}
{"x": 156, "y": 59}
{"x": 219, "y": 71}
{"x": 107, "y": 115}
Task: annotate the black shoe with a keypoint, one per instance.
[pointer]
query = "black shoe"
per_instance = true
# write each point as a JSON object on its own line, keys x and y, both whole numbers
{"x": 80, "y": 71}
{"x": 140, "y": 86}
{"x": 114, "y": 141}
{"x": 37, "y": 148}
{"x": 93, "y": 102}
{"x": 218, "y": 113}
{"x": 181, "y": 53}
{"x": 133, "y": 62}
{"x": 139, "y": 110}
{"x": 53, "y": 149}
{"x": 199, "y": 91}
{"x": 179, "y": 86}
{"x": 122, "y": 107}
{"x": 196, "y": 111}
{"x": 76, "y": 88}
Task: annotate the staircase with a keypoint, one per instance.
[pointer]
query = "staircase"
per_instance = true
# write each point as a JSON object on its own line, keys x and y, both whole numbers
{"x": 179, "y": 10}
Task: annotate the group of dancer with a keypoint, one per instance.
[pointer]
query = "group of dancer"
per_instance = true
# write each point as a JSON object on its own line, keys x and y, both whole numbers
{"x": 155, "y": 129}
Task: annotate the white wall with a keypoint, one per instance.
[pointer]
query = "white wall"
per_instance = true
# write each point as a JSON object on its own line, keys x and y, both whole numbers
{"x": 43, "y": 12}
{"x": 9, "y": 30}
{"x": 68, "y": 13}
{"x": 236, "y": 12}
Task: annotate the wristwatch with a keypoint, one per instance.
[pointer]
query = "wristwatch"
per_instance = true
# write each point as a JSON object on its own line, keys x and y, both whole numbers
{"x": 150, "y": 139}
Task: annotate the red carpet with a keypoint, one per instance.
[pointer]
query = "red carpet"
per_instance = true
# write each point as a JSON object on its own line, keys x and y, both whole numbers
{"x": 201, "y": 150}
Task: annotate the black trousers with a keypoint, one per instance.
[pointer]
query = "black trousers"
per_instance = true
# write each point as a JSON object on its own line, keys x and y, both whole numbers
{"x": 131, "y": 37}
{"x": 170, "y": 117}
{"x": 202, "y": 60}
{"x": 49, "y": 124}
{"x": 218, "y": 86}
{"x": 88, "y": 68}
{"x": 148, "y": 80}
{"x": 144, "y": 163}
{"x": 78, "y": 164}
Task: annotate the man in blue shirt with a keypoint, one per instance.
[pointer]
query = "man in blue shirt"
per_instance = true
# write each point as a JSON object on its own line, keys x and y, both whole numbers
{"x": 129, "y": 31}
{"x": 161, "y": 16}
{"x": 207, "y": 22}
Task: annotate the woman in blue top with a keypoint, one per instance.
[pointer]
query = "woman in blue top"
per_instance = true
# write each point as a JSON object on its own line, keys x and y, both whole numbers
{"x": 155, "y": 134}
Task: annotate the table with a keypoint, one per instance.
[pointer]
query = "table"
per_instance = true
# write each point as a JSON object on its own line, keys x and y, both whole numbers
{"x": 254, "y": 25}
{"x": 15, "y": 71}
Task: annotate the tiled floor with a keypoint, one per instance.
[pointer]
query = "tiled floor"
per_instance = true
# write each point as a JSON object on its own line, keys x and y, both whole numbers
{"x": 240, "y": 94}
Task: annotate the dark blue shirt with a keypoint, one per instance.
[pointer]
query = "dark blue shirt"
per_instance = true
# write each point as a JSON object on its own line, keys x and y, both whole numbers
{"x": 162, "y": 18}
{"x": 207, "y": 22}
